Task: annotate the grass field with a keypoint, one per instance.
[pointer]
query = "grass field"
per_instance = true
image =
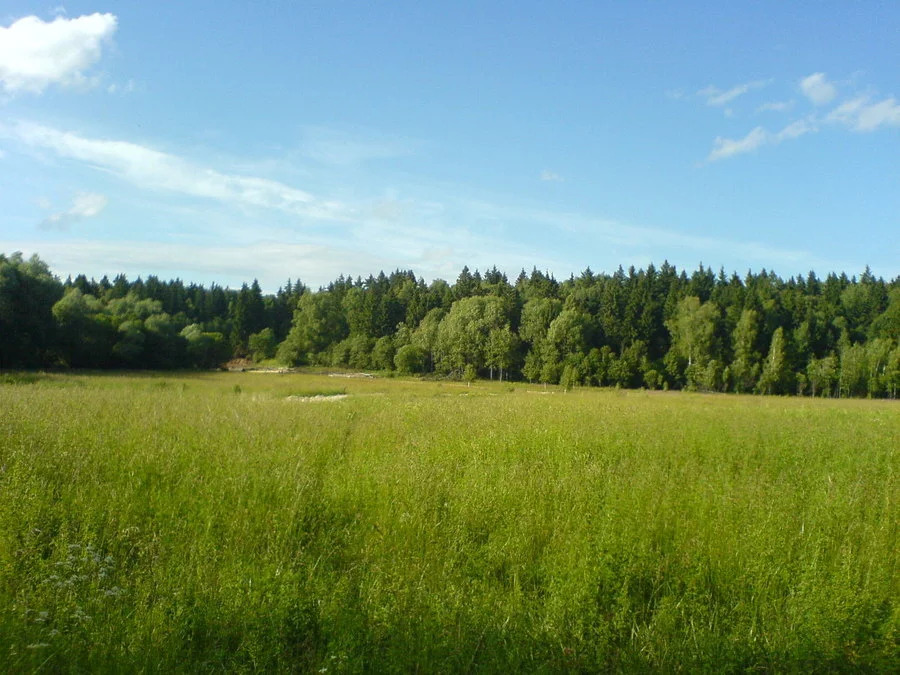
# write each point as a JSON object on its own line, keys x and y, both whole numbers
{"x": 210, "y": 522}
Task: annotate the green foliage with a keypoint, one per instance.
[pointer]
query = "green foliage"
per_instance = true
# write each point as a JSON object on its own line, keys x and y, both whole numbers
{"x": 470, "y": 373}
{"x": 247, "y": 316}
{"x": 854, "y": 376}
{"x": 86, "y": 335}
{"x": 887, "y": 324}
{"x": 383, "y": 353}
{"x": 626, "y": 371}
{"x": 27, "y": 294}
{"x": 410, "y": 359}
{"x": 571, "y": 376}
{"x": 318, "y": 323}
{"x": 502, "y": 348}
{"x": 822, "y": 375}
{"x": 537, "y": 316}
{"x": 567, "y": 335}
{"x": 262, "y": 344}
{"x": 776, "y": 375}
{"x": 463, "y": 334}
{"x": 693, "y": 330}
{"x": 204, "y": 349}
{"x": 653, "y": 379}
{"x": 702, "y": 331}
{"x": 130, "y": 346}
{"x": 745, "y": 368}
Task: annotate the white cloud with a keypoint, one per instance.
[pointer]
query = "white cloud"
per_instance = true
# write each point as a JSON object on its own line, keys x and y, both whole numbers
{"x": 776, "y": 106}
{"x": 84, "y": 205}
{"x": 338, "y": 148}
{"x": 423, "y": 236}
{"x": 861, "y": 115}
{"x": 316, "y": 262}
{"x": 126, "y": 88}
{"x": 228, "y": 264}
{"x": 718, "y": 97}
{"x": 794, "y": 130}
{"x": 848, "y": 111}
{"x": 552, "y": 177}
{"x": 634, "y": 243}
{"x": 727, "y": 147}
{"x": 818, "y": 89}
{"x": 858, "y": 114}
{"x": 151, "y": 169}
{"x": 883, "y": 113}
{"x": 36, "y": 53}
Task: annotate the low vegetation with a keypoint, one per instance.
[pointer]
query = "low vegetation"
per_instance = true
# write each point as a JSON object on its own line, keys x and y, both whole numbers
{"x": 204, "y": 522}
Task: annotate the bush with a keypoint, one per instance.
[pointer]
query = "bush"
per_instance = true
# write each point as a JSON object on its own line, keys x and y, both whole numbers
{"x": 410, "y": 359}
{"x": 263, "y": 344}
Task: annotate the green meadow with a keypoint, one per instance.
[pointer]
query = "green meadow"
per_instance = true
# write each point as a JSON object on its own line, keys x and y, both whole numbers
{"x": 226, "y": 522}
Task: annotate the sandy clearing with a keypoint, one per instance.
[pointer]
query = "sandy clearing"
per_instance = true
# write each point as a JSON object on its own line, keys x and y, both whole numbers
{"x": 317, "y": 398}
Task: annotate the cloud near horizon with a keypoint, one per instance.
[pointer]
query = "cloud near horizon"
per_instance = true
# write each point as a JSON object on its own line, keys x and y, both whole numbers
{"x": 151, "y": 169}
{"x": 35, "y": 53}
{"x": 84, "y": 205}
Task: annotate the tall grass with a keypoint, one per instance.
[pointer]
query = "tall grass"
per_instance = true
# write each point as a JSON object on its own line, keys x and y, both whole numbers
{"x": 209, "y": 522}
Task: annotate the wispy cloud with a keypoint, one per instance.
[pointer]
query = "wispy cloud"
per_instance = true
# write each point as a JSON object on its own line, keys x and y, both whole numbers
{"x": 723, "y": 148}
{"x": 418, "y": 234}
{"x": 126, "y": 88}
{"x": 634, "y": 243}
{"x": 151, "y": 169}
{"x": 719, "y": 97}
{"x": 818, "y": 89}
{"x": 229, "y": 264}
{"x": 861, "y": 115}
{"x": 728, "y": 147}
{"x": 343, "y": 149}
{"x": 431, "y": 252}
{"x": 84, "y": 205}
{"x": 794, "y": 130}
{"x": 551, "y": 176}
{"x": 775, "y": 106}
{"x": 36, "y": 53}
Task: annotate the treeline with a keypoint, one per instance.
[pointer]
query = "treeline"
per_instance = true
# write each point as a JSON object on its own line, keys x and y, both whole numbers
{"x": 655, "y": 328}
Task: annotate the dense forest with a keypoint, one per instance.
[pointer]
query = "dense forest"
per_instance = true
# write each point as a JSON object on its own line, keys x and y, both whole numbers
{"x": 658, "y": 328}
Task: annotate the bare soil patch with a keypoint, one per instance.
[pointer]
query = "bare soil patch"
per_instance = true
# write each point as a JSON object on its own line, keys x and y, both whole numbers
{"x": 317, "y": 398}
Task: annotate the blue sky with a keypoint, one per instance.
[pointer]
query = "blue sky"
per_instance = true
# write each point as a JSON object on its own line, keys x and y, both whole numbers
{"x": 230, "y": 141}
